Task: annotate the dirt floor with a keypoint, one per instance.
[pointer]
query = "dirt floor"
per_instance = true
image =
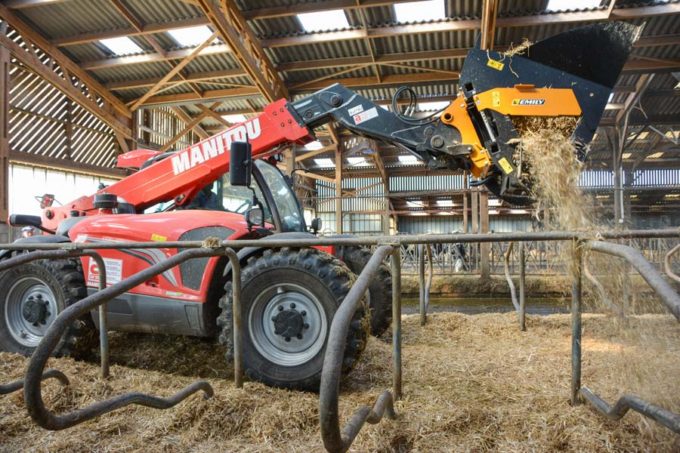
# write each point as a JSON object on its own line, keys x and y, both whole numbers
{"x": 471, "y": 383}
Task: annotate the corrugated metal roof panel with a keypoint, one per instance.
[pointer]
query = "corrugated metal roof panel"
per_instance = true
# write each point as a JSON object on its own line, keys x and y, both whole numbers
{"x": 62, "y": 19}
{"x": 156, "y": 11}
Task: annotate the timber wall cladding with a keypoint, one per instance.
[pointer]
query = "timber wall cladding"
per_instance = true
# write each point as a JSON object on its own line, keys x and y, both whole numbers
{"x": 45, "y": 122}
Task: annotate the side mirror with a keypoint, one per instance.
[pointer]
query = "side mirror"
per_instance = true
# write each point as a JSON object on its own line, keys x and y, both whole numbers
{"x": 240, "y": 164}
{"x": 254, "y": 216}
{"x": 316, "y": 225}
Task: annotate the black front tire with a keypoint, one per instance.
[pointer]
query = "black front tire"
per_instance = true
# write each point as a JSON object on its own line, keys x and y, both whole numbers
{"x": 379, "y": 290}
{"x": 33, "y": 295}
{"x": 295, "y": 283}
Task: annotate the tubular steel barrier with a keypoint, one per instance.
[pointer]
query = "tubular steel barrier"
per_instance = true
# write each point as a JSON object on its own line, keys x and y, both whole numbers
{"x": 667, "y": 263}
{"x": 19, "y": 383}
{"x": 669, "y": 297}
{"x": 522, "y": 288}
{"x": 335, "y": 439}
{"x": 424, "y": 285}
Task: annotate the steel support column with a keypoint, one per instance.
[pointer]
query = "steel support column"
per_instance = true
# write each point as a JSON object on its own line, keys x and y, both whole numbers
{"x": 484, "y": 249}
{"x": 338, "y": 189}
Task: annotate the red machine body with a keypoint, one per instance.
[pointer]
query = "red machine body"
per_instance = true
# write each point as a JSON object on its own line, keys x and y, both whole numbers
{"x": 183, "y": 175}
{"x": 160, "y": 227}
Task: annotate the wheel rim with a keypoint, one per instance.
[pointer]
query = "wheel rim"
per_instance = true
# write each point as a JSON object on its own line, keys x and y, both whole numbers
{"x": 287, "y": 324}
{"x": 30, "y": 309}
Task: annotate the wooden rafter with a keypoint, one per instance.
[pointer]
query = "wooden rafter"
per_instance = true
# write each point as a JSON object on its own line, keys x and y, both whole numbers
{"x": 489, "y": 13}
{"x": 152, "y": 57}
{"x": 136, "y": 22}
{"x": 312, "y": 7}
{"x": 315, "y": 176}
{"x": 173, "y": 72}
{"x": 34, "y": 64}
{"x": 84, "y": 38}
{"x": 314, "y": 153}
{"x": 474, "y": 24}
{"x": 216, "y": 116}
{"x": 193, "y": 78}
{"x": 30, "y": 35}
{"x": 182, "y": 115}
{"x": 570, "y": 16}
{"x": 194, "y": 122}
{"x": 232, "y": 27}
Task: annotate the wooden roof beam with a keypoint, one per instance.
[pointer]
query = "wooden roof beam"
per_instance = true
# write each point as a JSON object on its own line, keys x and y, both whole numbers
{"x": 283, "y": 11}
{"x": 173, "y": 72}
{"x": 227, "y": 19}
{"x": 34, "y": 64}
{"x": 83, "y": 38}
{"x": 29, "y": 34}
{"x": 489, "y": 13}
{"x": 385, "y": 31}
{"x": 184, "y": 116}
{"x": 473, "y": 24}
{"x": 188, "y": 78}
{"x": 152, "y": 57}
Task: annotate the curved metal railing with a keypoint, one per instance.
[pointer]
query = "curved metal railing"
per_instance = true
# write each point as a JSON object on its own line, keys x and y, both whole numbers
{"x": 32, "y": 388}
{"x": 667, "y": 263}
{"x": 632, "y": 402}
{"x": 19, "y": 383}
{"x": 424, "y": 286}
{"x": 334, "y": 439}
{"x": 669, "y": 297}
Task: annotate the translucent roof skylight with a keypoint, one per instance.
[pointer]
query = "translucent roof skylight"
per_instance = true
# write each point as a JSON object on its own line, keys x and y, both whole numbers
{"x": 190, "y": 36}
{"x": 357, "y": 161}
{"x": 420, "y": 11}
{"x": 408, "y": 159}
{"x": 314, "y": 145}
{"x": 324, "y": 162}
{"x": 234, "y": 118}
{"x": 121, "y": 46}
{"x": 324, "y": 20}
{"x": 433, "y": 106}
{"x": 562, "y": 5}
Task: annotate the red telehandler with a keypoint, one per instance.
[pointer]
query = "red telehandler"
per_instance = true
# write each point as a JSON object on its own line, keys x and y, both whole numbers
{"x": 289, "y": 296}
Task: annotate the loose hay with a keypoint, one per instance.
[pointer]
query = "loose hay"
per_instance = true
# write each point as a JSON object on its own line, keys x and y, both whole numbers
{"x": 471, "y": 383}
{"x": 553, "y": 173}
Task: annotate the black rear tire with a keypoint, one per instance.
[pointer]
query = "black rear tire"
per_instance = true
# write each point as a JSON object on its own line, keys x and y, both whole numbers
{"x": 289, "y": 298}
{"x": 33, "y": 296}
{"x": 380, "y": 289}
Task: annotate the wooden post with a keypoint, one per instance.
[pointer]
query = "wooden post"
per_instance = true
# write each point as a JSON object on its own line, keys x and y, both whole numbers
{"x": 465, "y": 212}
{"x": 485, "y": 248}
{"x": 5, "y": 62}
{"x": 338, "y": 189}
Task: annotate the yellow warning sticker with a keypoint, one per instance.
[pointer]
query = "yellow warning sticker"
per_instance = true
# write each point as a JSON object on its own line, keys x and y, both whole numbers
{"x": 505, "y": 165}
{"x": 496, "y": 99}
{"x": 497, "y": 65}
{"x": 158, "y": 238}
